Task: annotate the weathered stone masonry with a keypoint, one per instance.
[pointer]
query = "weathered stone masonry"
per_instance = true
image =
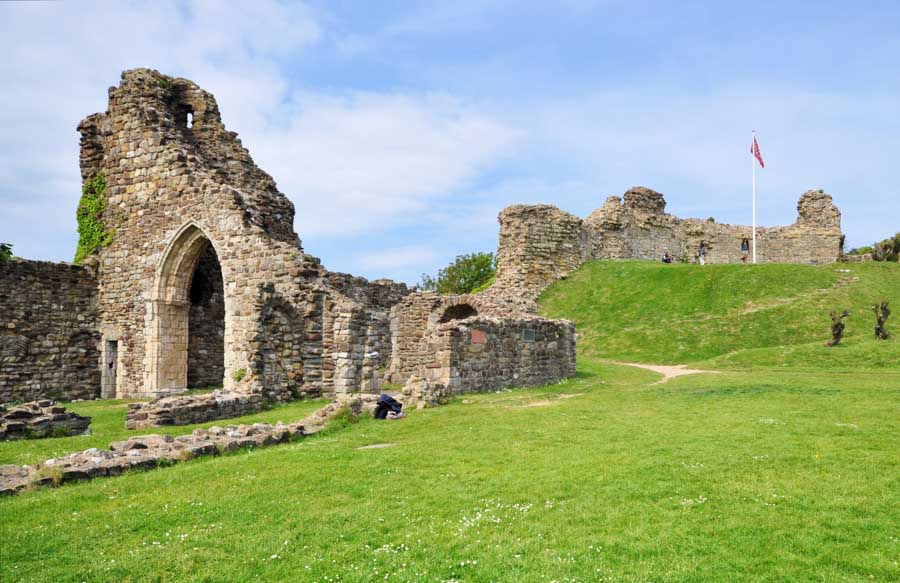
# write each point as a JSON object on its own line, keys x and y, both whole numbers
{"x": 540, "y": 243}
{"x": 182, "y": 191}
{"x": 48, "y": 332}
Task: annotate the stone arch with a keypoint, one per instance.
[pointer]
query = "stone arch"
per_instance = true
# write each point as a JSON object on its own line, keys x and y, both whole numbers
{"x": 458, "y": 308}
{"x": 168, "y": 311}
{"x": 458, "y": 312}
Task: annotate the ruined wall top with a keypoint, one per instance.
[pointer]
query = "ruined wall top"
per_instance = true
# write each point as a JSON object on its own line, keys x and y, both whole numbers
{"x": 816, "y": 209}
{"x": 157, "y": 120}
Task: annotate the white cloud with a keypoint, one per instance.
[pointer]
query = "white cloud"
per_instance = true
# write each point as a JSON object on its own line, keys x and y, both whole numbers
{"x": 397, "y": 258}
{"x": 367, "y": 161}
{"x": 351, "y": 162}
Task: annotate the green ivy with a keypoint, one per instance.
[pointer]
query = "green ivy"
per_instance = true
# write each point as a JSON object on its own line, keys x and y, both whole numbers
{"x": 92, "y": 233}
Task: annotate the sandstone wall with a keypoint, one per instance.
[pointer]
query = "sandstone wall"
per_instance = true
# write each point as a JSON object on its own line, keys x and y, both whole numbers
{"x": 48, "y": 332}
{"x": 181, "y": 186}
{"x": 637, "y": 227}
{"x": 412, "y": 319}
{"x": 488, "y": 353}
{"x": 540, "y": 244}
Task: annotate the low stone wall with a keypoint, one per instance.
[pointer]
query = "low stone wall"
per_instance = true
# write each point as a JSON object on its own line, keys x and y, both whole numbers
{"x": 190, "y": 409}
{"x": 40, "y": 419}
{"x": 147, "y": 451}
{"x": 489, "y": 353}
{"x": 48, "y": 332}
{"x": 411, "y": 319}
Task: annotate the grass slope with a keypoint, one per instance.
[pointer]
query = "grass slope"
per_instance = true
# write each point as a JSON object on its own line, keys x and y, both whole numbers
{"x": 738, "y": 315}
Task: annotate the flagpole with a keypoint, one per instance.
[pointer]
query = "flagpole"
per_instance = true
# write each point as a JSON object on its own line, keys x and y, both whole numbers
{"x": 753, "y": 172}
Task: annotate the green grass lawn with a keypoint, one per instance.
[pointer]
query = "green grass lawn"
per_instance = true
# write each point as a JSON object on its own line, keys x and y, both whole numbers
{"x": 783, "y": 467}
{"x": 776, "y": 476}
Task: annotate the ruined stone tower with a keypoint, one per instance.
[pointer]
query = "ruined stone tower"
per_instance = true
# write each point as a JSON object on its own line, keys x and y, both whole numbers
{"x": 205, "y": 279}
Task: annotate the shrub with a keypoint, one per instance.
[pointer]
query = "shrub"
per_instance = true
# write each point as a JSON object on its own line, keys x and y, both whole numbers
{"x": 239, "y": 374}
{"x": 467, "y": 274}
{"x": 5, "y": 251}
{"x": 92, "y": 233}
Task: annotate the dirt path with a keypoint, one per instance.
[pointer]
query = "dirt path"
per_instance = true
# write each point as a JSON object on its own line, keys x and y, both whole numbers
{"x": 668, "y": 371}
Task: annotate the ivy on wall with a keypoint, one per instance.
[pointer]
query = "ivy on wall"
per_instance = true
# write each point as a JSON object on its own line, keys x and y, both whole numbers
{"x": 92, "y": 233}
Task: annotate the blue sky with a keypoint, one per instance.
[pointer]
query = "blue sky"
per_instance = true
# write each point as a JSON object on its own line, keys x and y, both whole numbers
{"x": 400, "y": 129}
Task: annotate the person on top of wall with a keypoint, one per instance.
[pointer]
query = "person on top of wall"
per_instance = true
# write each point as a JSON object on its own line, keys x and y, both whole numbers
{"x": 701, "y": 253}
{"x": 745, "y": 250}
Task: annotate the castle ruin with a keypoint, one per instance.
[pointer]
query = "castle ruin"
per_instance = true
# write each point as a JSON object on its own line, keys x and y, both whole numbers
{"x": 204, "y": 282}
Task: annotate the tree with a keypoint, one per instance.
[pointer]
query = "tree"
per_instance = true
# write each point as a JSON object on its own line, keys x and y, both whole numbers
{"x": 468, "y": 273}
{"x": 5, "y": 251}
{"x": 887, "y": 250}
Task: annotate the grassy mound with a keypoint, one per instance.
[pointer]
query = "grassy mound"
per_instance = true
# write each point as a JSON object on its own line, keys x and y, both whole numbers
{"x": 734, "y": 315}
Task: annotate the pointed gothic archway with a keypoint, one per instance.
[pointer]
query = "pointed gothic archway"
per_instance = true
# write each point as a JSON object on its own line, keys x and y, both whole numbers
{"x": 190, "y": 259}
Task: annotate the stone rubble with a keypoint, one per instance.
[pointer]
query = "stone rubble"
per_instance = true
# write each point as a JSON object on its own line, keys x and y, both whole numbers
{"x": 191, "y": 409}
{"x": 152, "y": 451}
{"x": 39, "y": 419}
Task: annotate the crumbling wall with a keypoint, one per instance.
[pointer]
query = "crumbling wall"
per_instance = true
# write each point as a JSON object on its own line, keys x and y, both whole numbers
{"x": 413, "y": 318}
{"x": 358, "y": 333}
{"x": 180, "y": 184}
{"x": 48, "y": 332}
{"x": 540, "y": 244}
{"x": 639, "y": 228}
{"x": 489, "y": 353}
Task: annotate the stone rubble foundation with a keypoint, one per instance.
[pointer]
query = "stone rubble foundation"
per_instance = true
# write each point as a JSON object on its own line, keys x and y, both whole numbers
{"x": 191, "y": 409}
{"x": 40, "y": 419}
{"x": 152, "y": 451}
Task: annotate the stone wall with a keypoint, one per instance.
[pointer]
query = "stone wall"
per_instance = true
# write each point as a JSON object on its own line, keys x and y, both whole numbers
{"x": 484, "y": 353}
{"x": 190, "y": 409}
{"x": 412, "y": 318}
{"x": 637, "y": 227}
{"x": 48, "y": 332}
{"x": 181, "y": 186}
{"x": 540, "y": 244}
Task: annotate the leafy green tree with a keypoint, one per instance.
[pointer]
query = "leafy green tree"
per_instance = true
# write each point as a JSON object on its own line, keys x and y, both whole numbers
{"x": 468, "y": 273}
{"x": 5, "y": 251}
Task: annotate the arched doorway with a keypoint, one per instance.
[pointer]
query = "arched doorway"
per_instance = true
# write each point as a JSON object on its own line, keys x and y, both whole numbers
{"x": 186, "y": 317}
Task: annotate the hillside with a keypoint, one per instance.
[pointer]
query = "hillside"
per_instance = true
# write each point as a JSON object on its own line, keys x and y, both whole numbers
{"x": 728, "y": 315}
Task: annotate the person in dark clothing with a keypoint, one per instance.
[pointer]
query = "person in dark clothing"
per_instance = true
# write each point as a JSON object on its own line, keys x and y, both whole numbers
{"x": 388, "y": 408}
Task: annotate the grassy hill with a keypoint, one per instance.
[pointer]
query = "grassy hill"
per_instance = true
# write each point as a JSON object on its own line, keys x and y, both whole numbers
{"x": 728, "y": 315}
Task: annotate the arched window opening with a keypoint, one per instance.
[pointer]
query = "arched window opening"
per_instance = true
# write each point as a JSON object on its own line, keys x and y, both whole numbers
{"x": 458, "y": 312}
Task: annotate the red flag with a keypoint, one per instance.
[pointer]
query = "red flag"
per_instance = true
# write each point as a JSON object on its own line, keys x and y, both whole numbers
{"x": 754, "y": 149}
